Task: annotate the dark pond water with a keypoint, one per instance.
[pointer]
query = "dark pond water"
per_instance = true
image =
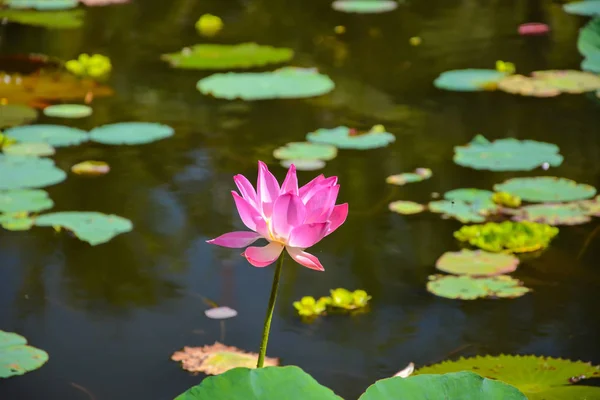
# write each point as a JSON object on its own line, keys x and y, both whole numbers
{"x": 110, "y": 316}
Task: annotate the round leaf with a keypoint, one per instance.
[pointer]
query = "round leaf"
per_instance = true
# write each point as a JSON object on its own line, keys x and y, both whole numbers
{"x": 304, "y": 165}
{"x": 91, "y": 168}
{"x": 227, "y": 56}
{"x": 43, "y": 5}
{"x": 305, "y": 151}
{"x": 29, "y": 149}
{"x": 546, "y": 189}
{"x": 552, "y": 214}
{"x": 468, "y": 288}
{"x": 15, "y": 222}
{"x": 16, "y": 114}
{"x": 289, "y": 82}
{"x": 527, "y": 86}
{"x": 130, "y": 133}
{"x": 68, "y": 111}
{"x": 468, "y": 80}
{"x": 16, "y": 357}
{"x": 24, "y": 200}
{"x": 479, "y": 200}
{"x": 588, "y": 8}
{"x": 458, "y": 209}
{"x": 54, "y": 135}
{"x": 62, "y": 19}
{"x": 364, "y": 6}
{"x": 569, "y": 81}
{"x": 345, "y": 138}
{"x": 477, "y": 263}
{"x": 406, "y": 207}
{"x": 419, "y": 175}
{"x": 18, "y": 172}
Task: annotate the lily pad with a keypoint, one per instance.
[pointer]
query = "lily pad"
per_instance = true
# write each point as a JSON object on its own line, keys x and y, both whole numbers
{"x": 21, "y": 172}
{"x": 29, "y": 149}
{"x": 477, "y": 263}
{"x": 419, "y": 175}
{"x": 24, "y": 200}
{"x": 506, "y": 154}
{"x": 588, "y": 41}
{"x": 54, "y": 135}
{"x": 468, "y": 80}
{"x": 42, "y": 5}
{"x": 16, "y": 357}
{"x": 539, "y": 378}
{"x": 227, "y": 56}
{"x": 479, "y": 200}
{"x": 507, "y": 236}
{"x": 346, "y": 138}
{"x": 570, "y": 81}
{"x": 364, "y": 6}
{"x": 468, "y": 288}
{"x": 217, "y": 359}
{"x": 92, "y": 168}
{"x": 16, "y": 114}
{"x": 92, "y": 227}
{"x": 220, "y": 313}
{"x": 527, "y": 86}
{"x": 552, "y": 214}
{"x": 305, "y": 151}
{"x": 288, "y": 82}
{"x": 131, "y": 133}
{"x": 406, "y": 207}
{"x": 546, "y": 189}
{"x": 458, "y": 209}
{"x": 16, "y": 222}
{"x": 588, "y": 8}
{"x": 304, "y": 165}
{"x": 68, "y": 111}
{"x": 62, "y": 19}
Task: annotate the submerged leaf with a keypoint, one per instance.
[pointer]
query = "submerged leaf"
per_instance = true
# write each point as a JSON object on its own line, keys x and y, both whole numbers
{"x": 477, "y": 263}
{"x": 16, "y": 357}
{"x": 546, "y": 189}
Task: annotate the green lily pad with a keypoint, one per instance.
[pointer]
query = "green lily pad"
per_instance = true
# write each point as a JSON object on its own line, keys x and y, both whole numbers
{"x": 29, "y": 149}
{"x": 588, "y": 44}
{"x": 42, "y": 4}
{"x": 468, "y": 288}
{"x": 507, "y": 236}
{"x": 546, "y": 189}
{"x": 468, "y": 80}
{"x": 570, "y": 81}
{"x": 527, "y": 86}
{"x": 24, "y": 200}
{"x": 130, "y": 133}
{"x": 364, "y": 6}
{"x": 92, "y": 227}
{"x": 507, "y": 154}
{"x": 68, "y": 111}
{"x": 346, "y": 138}
{"x": 419, "y": 175}
{"x": 305, "y": 151}
{"x": 589, "y": 8}
{"x": 19, "y": 172}
{"x": 458, "y": 209}
{"x": 16, "y": 114}
{"x": 479, "y": 200}
{"x": 406, "y": 207}
{"x": 288, "y": 82}
{"x": 591, "y": 207}
{"x": 539, "y": 378}
{"x": 463, "y": 385}
{"x": 15, "y": 222}
{"x": 304, "y": 165}
{"x": 16, "y": 357}
{"x": 54, "y": 135}
{"x": 477, "y": 263}
{"x": 269, "y": 383}
{"x": 62, "y": 19}
{"x": 552, "y": 214}
{"x": 227, "y": 56}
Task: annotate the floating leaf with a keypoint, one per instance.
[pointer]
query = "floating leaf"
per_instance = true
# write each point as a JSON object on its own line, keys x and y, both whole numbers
{"x": 419, "y": 175}
{"x": 477, "y": 263}
{"x": 364, "y": 6}
{"x": 305, "y": 151}
{"x": 131, "y": 133}
{"x": 304, "y": 165}
{"x": 468, "y": 80}
{"x": 217, "y": 359}
{"x": 588, "y": 8}
{"x": 68, "y": 111}
{"x": 309, "y": 307}
{"x": 527, "y": 86}
{"x": 458, "y": 209}
{"x": 62, "y": 19}
{"x": 54, "y": 135}
{"x": 406, "y": 207}
{"x": 19, "y": 172}
{"x": 288, "y": 82}
{"x": 346, "y": 138}
{"x": 29, "y": 149}
{"x": 92, "y": 227}
{"x": 539, "y": 378}
{"x": 343, "y": 298}
{"x": 24, "y": 200}
{"x": 479, "y": 200}
{"x": 227, "y": 56}
{"x": 468, "y": 288}
{"x": 220, "y": 313}
{"x": 16, "y": 222}
{"x": 514, "y": 237}
{"x": 552, "y": 214}
{"x": 16, "y": 357}
{"x": 546, "y": 189}
{"x": 209, "y": 25}
{"x": 506, "y": 154}
{"x": 91, "y": 168}
{"x": 43, "y": 5}
{"x": 588, "y": 44}
{"x": 570, "y": 81}
{"x": 506, "y": 199}
{"x": 16, "y": 114}
{"x": 463, "y": 385}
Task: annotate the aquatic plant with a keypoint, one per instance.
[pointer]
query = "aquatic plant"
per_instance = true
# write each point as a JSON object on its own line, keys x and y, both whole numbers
{"x": 505, "y": 67}
{"x": 54, "y": 135}
{"x": 469, "y": 288}
{"x": 546, "y": 189}
{"x": 130, "y": 133}
{"x": 573, "y": 213}
{"x": 59, "y": 19}
{"x": 90, "y": 168}
{"x": 27, "y": 149}
{"x": 406, "y": 207}
{"x": 347, "y": 300}
{"x": 364, "y": 6}
{"x": 477, "y": 263}
{"x": 22, "y": 172}
{"x": 307, "y": 306}
{"x": 506, "y": 199}
{"x": 468, "y": 80}
{"x": 16, "y": 357}
{"x": 94, "y": 66}
{"x": 346, "y": 138}
{"x": 68, "y": 111}
{"x": 24, "y": 201}
{"x": 458, "y": 209}
{"x": 92, "y": 227}
{"x": 16, "y": 114}
{"x": 420, "y": 174}
{"x": 209, "y": 25}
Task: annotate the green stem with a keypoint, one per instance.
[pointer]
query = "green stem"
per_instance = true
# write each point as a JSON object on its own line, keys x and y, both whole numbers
{"x": 269, "y": 316}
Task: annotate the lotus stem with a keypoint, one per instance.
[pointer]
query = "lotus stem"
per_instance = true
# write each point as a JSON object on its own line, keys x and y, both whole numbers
{"x": 269, "y": 316}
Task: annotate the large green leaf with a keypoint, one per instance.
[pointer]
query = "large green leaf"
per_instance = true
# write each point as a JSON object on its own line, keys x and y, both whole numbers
{"x": 305, "y": 151}
{"x": 269, "y": 383}
{"x": 552, "y": 214}
{"x": 54, "y": 135}
{"x": 477, "y": 263}
{"x": 468, "y": 80}
{"x": 62, "y": 19}
{"x": 458, "y": 209}
{"x": 24, "y": 200}
{"x": 16, "y": 357}
{"x": 29, "y": 149}
{"x": 588, "y": 41}
{"x": 346, "y": 138}
{"x": 227, "y": 56}
{"x": 16, "y": 114}
{"x": 539, "y": 378}
{"x": 588, "y": 7}
{"x": 453, "y": 386}
{"x": 42, "y": 4}
{"x": 22, "y": 172}
{"x": 469, "y": 288}
{"x": 68, "y": 111}
{"x": 131, "y": 133}
{"x": 546, "y": 189}
{"x": 364, "y": 6}
{"x": 480, "y": 200}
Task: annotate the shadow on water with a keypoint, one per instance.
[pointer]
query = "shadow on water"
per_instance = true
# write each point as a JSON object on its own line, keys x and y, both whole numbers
{"x": 110, "y": 316}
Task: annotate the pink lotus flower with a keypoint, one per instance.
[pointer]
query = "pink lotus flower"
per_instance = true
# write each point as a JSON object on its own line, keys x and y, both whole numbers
{"x": 288, "y": 217}
{"x": 533, "y": 28}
